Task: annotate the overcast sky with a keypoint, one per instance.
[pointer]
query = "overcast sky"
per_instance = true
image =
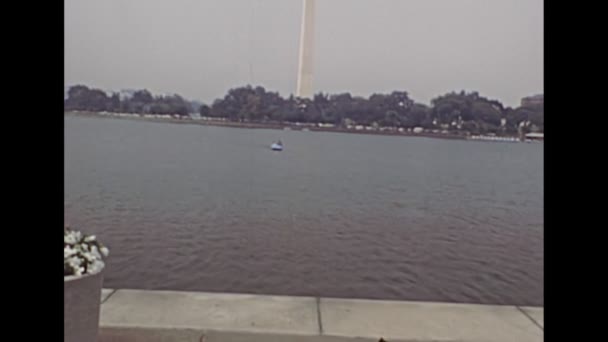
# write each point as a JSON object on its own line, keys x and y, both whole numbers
{"x": 202, "y": 48}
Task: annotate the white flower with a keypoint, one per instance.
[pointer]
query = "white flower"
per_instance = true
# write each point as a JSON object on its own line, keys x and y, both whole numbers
{"x": 88, "y": 256}
{"x": 96, "y": 266}
{"x": 78, "y": 271}
{"x": 74, "y": 262}
{"x": 82, "y": 252}
{"x": 68, "y": 252}
{"x": 95, "y": 252}
{"x": 69, "y": 238}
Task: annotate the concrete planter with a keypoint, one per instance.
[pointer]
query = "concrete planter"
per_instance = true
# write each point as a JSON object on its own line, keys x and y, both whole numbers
{"x": 81, "y": 304}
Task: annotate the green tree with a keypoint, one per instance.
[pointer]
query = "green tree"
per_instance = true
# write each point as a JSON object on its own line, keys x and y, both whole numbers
{"x": 83, "y": 98}
{"x": 204, "y": 110}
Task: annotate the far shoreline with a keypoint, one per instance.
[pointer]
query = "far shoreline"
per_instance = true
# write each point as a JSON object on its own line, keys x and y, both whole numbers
{"x": 255, "y": 125}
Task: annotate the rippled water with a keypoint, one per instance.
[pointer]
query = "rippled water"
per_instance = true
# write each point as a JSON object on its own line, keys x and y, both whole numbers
{"x": 188, "y": 207}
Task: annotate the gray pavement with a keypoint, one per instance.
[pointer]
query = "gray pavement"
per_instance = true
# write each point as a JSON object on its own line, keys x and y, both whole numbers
{"x": 137, "y": 315}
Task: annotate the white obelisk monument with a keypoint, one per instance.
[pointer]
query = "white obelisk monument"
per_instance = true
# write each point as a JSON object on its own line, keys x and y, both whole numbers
{"x": 304, "y": 87}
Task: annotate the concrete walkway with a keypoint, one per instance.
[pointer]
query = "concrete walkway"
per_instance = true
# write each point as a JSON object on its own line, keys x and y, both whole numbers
{"x": 151, "y": 316}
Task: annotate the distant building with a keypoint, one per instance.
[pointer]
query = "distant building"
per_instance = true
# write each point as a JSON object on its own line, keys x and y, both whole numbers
{"x": 533, "y": 100}
{"x": 535, "y": 136}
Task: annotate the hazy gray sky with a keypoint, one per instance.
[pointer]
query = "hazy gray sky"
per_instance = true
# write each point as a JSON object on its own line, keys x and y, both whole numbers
{"x": 201, "y": 48}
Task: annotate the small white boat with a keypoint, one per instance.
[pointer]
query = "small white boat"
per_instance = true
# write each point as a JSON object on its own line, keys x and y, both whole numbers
{"x": 277, "y": 146}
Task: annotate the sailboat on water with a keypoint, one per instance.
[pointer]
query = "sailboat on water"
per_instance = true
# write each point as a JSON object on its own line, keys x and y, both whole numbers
{"x": 277, "y": 146}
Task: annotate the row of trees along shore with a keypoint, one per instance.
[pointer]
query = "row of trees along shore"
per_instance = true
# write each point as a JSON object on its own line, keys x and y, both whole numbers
{"x": 455, "y": 112}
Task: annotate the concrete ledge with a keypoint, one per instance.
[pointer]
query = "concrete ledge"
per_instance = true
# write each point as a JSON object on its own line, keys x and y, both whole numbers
{"x": 105, "y": 293}
{"x": 423, "y": 321}
{"x": 108, "y": 334}
{"x": 198, "y": 310}
{"x": 245, "y": 337}
{"x": 536, "y": 314}
{"x": 193, "y": 335}
{"x": 151, "y": 316}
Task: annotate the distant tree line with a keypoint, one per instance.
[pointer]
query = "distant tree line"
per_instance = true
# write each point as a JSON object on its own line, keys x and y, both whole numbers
{"x": 82, "y": 98}
{"x": 456, "y": 112}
